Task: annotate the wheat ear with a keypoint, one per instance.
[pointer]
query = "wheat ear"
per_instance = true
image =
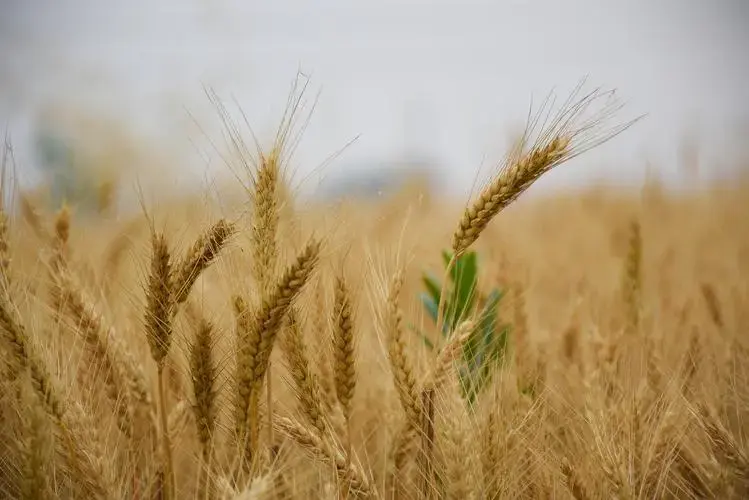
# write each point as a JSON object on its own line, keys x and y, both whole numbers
{"x": 306, "y": 386}
{"x": 203, "y": 372}
{"x": 448, "y": 354}
{"x": 403, "y": 376}
{"x": 35, "y": 444}
{"x": 257, "y": 336}
{"x": 158, "y": 325}
{"x": 565, "y": 136}
{"x": 456, "y": 444}
{"x": 84, "y": 450}
{"x": 632, "y": 286}
{"x": 264, "y": 234}
{"x": 199, "y": 258}
{"x": 324, "y": 451}
{"x": 123, "y": 376}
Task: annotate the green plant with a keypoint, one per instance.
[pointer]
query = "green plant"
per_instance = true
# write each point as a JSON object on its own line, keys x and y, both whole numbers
{"x": 485, "y": 348}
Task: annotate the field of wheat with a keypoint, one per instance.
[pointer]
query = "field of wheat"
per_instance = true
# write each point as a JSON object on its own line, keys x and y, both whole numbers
{"x": 260, "y": 346}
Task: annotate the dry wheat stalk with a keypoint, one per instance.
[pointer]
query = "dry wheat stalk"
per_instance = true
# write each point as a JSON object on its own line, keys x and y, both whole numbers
{"x": 725, "y": 446}
{"x": 256, "y": 339}
{"x": 574, "y": 484}
{"x": 344, "y": 349}
{"x": 326, "y": 452}
{"x": 85, "y": 454}
{"x": 159, "y": 301}
{"x": 178, "y": 419}
{"x": 35, "y": 444}
{"x": 123, "y": 377}
{"x": 508, "y": 185}
{"x": 403, "y": 376}
{"x": 632, "y": 285}
{"x": 306, "y": 388}
{"x": 24, "y": 356}
{"x": 489, "y": 452}
{"x": 567, "y": 135}
{"x": 456, "y": 445}
{"x": 265, "y": 220}
{"x": 344, "y": 354}
{"x": 203, "y": 372}
{"x": 105, "y": 341}
{"x": 443, "y": 365}
{"x": 158, "y": 327}
{"x": 713, "y": 305}
{"x": 322, "y": 350}
{"x": 203, "y": 375}
{"x": 199, "y": 258}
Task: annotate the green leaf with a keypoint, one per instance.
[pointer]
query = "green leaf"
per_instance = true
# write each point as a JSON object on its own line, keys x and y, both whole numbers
{"x": 493, "y": 342}
{"x": 476, "y": 348}
{"x": 461, "y": 297}
{"x": 430, "y": 305}
{"x": 496, "y": 356}
{"x": 433, "y": 286}
{"x": 465, "y": 278}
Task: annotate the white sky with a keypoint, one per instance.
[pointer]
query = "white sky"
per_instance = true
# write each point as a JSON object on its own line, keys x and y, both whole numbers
{"x": 450, "y": 79}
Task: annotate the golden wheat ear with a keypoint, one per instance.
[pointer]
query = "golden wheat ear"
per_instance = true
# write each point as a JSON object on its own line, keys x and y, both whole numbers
{"x": 200, "y": 256}
{"x": 306, "y": 387}
{"x": 158, "y": 328}
{"x": 205, "y": 405}
{"x": 349, "y": 473}
{"x": 256, "y": 337}
{"x": 85, "y": 455}
{"x": 568, "y": 134}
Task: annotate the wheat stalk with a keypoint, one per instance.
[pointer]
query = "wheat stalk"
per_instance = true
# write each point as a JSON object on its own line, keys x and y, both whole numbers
{"x": 306, "y": 387}
{"x": 199, "y": 258}
{"x": 85, "y": 454}
{"x": 158, "y": 326}
{"x": 257, "y": 336}
{"x": 324, "y": 451}
{"x": 403, "y": 376}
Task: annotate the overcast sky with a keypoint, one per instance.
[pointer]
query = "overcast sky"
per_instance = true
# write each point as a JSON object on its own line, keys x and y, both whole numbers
{"x": 447, "y": 79}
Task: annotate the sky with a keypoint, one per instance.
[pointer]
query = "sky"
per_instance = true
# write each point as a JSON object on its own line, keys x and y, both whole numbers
{"x": 449, "y": 81}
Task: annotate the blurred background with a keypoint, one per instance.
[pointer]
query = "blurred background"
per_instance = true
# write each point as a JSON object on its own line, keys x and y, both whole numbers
{"x": 96, "y": 92}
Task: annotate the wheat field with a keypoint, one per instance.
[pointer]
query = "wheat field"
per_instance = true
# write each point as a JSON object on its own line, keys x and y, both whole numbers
{"x": 254, "y": 345}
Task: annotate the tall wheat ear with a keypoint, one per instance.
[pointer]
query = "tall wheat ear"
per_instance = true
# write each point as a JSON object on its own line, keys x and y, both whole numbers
{"x": 204, "y": 374}
{"x": 200, "y": 256}
{"x": 158, "y": 327}
{"x": 548, "y": 141}
{"x": 265, "y": 219}
{"x": 405, "y": 439}
{"x": 306, "y": 387}
{"x": 35, "y": 443}
{"x": 325, "y": 451}
{"x": 257, "y": 331}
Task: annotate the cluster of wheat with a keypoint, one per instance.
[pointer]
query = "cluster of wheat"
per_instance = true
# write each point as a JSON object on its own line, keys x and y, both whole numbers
{"x": 245, "y": 364}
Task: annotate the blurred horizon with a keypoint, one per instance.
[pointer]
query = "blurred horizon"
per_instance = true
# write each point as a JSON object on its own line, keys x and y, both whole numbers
{"x": 444, "y": 85}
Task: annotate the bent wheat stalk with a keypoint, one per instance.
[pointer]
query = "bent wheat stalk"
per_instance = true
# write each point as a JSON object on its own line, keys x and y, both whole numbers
{"x": 568, "y": 134}
{"x": 256, "y": 338}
